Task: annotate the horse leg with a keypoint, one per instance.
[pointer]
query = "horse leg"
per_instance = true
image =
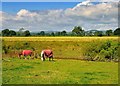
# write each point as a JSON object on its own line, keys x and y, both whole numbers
{"x": 49, "y": 58}
{"x": 25, "y": 56}
{"x": 52, "y": 58}
{"x": 31, "y": 57}
{"x": 43, "y": 58}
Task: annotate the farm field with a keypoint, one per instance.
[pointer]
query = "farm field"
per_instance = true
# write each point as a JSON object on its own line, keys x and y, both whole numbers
{"x": 57, "y": 38}
{"x": 70, "y": 65}
{"x": 59, "y": 71}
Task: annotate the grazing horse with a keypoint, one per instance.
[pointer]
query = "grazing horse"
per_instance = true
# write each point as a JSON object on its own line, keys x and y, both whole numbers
{"x": 25, "y": 53}
{"x": 46, "y": 53}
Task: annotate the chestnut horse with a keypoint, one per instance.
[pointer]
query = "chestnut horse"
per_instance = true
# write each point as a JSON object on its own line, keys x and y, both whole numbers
{"x": 25, "y": 53}
{"x": 46, "y": 53}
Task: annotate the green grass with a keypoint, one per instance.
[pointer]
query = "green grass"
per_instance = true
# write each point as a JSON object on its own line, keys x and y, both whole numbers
{"x": 20, "y": 71}
{"x": 60, "y": 71}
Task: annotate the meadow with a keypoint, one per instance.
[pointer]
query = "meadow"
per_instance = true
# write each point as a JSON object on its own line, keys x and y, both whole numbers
{"x": 59, "y": 71}
{"x": 91, "y": 48}
{"x": 77, "y": 60}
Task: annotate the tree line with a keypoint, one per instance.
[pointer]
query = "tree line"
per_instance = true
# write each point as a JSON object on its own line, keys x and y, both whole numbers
{"x": 76, "y": 31}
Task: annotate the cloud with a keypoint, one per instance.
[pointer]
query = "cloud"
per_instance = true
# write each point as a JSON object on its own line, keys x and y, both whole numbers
{"x": 89, "y": 15}
{"x": 103, "y": 0}
{"x": 107, "y": 0}
{"x": 24, "y": 12}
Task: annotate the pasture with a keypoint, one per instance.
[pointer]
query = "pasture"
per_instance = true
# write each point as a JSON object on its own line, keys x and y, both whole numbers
{"x": 78, "y": 60}
{"x": 59, "y": 71}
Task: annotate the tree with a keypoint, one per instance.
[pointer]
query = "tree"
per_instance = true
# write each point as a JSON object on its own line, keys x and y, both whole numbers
{"x": 64, "y": 33}
{"x": 12, "y": 33}
{"x": 58, "y": 33}
{"x": 117, "y": 32}
{"x": 99, "y": 33}
{"x": 26, "y": 33}
{"x": 78, "y": 31}
{"x": 109, "y": 32}
{"x": 42, "y": 33}
{"x": 52, "y": 34}
{"x": 5, "y": 32}
{"x": 20, "y": 32}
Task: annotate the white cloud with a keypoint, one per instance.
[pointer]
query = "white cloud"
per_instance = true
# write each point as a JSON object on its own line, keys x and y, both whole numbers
{"x": 86, "y": 14}
{"x": 24, "y": 12}
{"x": 107, "y": 0}
{"x": 103, "y": 0}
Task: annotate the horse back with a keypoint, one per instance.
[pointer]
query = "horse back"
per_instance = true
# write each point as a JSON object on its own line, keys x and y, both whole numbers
{"x": 27, "y": 52}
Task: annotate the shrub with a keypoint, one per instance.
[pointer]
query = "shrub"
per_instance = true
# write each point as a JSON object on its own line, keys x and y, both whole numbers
{"x": 105, "y": 52}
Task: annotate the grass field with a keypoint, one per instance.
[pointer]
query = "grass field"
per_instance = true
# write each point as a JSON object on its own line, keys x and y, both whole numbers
{"x": 19, "y": 71}
{"x": 65, "y": 69}
{"x": 63, "y": 47}
{"x": 57, "y": 38}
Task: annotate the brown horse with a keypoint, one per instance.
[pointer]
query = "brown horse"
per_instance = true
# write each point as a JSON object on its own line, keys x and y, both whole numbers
{"x": 25, "y": 53}
{"x": 46, "y": 53}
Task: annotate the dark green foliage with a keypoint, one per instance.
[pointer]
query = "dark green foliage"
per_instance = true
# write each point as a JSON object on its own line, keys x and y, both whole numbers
{"x": 105, "y": 51}
{"x": 26, "y": 33}
{"x": 64, "y": 33}
{"x": 5, "y": 32}
{"x": 78, "y": 31}
{"x": 117, "y": 32}
{"x": 12, "y": 33}
{"x": 58, "y": 33}
{"x": 99, "y": 33}
{"x": 42, "y": 33}
{"x": 8, "y": 32}
{"x": 109, "y": 32}
{"x": 52, "y": 34}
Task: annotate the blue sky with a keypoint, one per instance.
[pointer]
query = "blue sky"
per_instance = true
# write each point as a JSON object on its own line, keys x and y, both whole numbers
{"x": 43, "y": 0}
{"x": 13, "y": 7}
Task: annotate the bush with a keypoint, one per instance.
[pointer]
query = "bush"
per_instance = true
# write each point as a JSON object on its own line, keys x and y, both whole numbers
{"x": 105, "y": 52}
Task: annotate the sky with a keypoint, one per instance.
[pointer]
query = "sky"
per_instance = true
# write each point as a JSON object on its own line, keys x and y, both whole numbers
{"x": 14, "y": 7}
{"x": 59, "y": 16}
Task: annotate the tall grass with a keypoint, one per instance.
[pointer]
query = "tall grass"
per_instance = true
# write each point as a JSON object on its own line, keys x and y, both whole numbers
{"x": 64, "y": 47}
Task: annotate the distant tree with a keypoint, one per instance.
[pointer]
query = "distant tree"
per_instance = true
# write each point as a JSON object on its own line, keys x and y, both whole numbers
{"x": 5, "y": 32}
{"x": 52, "y": 34}
{"x": 117, "y": 32}
{"x": 17, "y": 33}
{"x": 47, "y": 34}
{"x": 21, "y": 29}
{"x": 42, "y": 33}
{"x": 58, "y": 33}
{"x": 26, "y": 33}
{"x": 78, "y": 31}
{"x": 0, "y": 33}
{"x": 20, "y": 32}
{"x": 12, "y": 33}
{"x": 64, "y": 33}
{"x": 98, "y": 33}
{"x": 109, "y": 32}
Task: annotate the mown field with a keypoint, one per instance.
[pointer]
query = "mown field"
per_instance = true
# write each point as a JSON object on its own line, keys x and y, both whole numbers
{"x": 78, "y": 60}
